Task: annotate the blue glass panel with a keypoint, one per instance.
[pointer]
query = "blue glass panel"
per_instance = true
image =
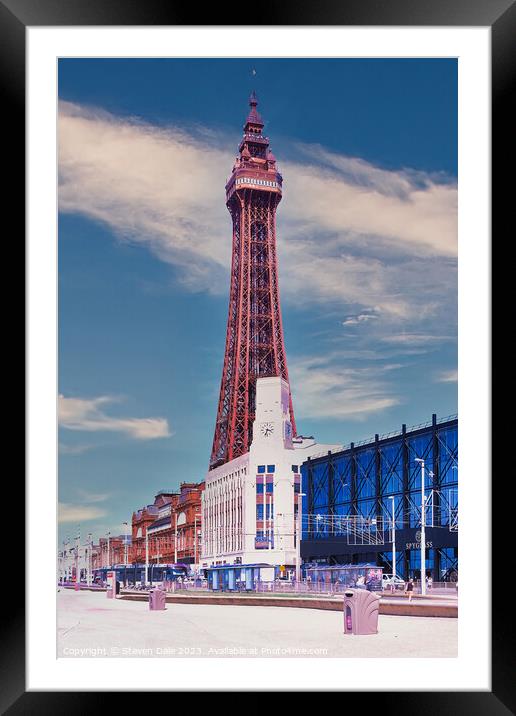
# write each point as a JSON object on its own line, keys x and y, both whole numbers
{"x": 366, "y": 475}
{"x": 366, "y": 507}
{"x": 344, "y": 509}
{"x": 342, "y": 479}
{"x": 320, "y": 488}
{"x": 391, "y": 467}
{"x": 448, "y": 456}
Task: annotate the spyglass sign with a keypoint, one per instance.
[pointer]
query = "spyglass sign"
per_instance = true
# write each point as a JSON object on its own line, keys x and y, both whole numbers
{"x": 417, "y": 543}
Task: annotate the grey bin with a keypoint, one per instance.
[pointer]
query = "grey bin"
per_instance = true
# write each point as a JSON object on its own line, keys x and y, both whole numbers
{"x": 361, "y": 609}
{"x": 156, "y": 599}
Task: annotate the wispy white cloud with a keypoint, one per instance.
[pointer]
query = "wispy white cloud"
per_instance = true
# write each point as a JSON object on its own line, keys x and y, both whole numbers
{"x": 65, "y": 449}
{"x": 78, "y": 513}
{"x": 415, "y": 339}
{"x": 360, "y": 318}
{"x": 352, "y": 197}
{"x": 447, "y": 376}
{"x": 86, "y": 415}
{"x": 349, "y": 232}
{"x": 325, "y": 387}
{"x": 93, "y": 496}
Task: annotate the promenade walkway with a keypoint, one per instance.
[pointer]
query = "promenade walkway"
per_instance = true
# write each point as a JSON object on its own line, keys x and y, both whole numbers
{"x": 90, "y": 625}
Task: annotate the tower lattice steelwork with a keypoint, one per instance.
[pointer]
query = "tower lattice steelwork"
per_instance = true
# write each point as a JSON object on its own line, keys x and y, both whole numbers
{"x": 254, "y": 338}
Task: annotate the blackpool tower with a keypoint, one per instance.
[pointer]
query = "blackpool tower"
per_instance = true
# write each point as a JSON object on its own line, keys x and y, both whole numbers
{"x": 254, "y": 337}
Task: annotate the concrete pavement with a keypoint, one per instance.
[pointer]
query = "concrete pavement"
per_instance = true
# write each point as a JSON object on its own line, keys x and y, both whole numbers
{"x": 90, "y": 625}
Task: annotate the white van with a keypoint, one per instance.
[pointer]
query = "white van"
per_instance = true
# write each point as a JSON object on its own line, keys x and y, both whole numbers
{"x": 388, "y": 581}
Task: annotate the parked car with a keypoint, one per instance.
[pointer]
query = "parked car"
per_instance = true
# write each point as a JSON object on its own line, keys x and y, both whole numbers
{"x": 388, "y": 581}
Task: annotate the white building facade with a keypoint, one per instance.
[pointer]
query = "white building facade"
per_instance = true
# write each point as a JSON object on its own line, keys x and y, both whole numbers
{"x": 250, "y": 504}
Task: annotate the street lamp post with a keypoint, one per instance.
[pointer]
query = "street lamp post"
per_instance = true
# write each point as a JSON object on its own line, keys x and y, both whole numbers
{"x": 108, "y": 551}
{"x": 67, "y": 559}
{"x": 126, "y": 536}
{"x": 77, "y": 568}
{"x": 300, "y": 496}
{"x": 88, "y": 561}
{"x": 175, "y": 538}
{"x": 197, "y": 514}
{"x": 423, "y": 536}
{"x": 146, "y": 557}
{"x": 126, "y": 539}
{"x": 391, "y": 497}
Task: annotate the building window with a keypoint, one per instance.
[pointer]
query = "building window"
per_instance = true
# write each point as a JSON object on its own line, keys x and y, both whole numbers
{"x": 261, "y": 468}
{"x": 295, "y": 468}
{"x": 259, "y": 488}
{"x": 259, "y": 512}
{"x": 271, "y": 468}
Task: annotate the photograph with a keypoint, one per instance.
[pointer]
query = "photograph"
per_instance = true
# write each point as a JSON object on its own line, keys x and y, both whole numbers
{"x": 257, "y": 357}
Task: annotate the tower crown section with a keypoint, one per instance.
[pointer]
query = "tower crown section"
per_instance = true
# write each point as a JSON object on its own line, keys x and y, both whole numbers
{"x": 255, "y": 167}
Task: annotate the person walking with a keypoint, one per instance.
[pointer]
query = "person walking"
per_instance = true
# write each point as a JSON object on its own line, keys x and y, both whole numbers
{"x": 410, "y": 589}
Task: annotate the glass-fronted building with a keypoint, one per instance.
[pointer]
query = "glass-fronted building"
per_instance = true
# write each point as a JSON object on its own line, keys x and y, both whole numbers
{"x": 349, "y": 497}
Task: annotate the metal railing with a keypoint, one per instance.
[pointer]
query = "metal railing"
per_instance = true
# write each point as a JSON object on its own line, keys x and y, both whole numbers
{"x": 385, "y": 436}
{"x": 288, "y": 587}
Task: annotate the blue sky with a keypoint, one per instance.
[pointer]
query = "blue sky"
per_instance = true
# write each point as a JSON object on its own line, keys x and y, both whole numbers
{"x": 366, "y": 243}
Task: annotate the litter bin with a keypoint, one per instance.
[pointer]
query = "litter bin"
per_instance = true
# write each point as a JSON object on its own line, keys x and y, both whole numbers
{"x": 361, "y": 609}
{"x": 156, "y": 599}
{"x": 117, "y": 589}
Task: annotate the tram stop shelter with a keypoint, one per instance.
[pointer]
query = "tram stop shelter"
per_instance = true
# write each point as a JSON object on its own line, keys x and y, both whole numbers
{"x": 238, "y": 577}
{"x": 354, "y": 576}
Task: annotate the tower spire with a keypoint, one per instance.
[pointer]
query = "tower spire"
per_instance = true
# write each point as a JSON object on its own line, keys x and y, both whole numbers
{"x": 254, "y": 121}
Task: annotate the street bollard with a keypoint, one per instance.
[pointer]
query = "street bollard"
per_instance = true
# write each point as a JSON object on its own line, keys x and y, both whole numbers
{"x": 361, "y": 609}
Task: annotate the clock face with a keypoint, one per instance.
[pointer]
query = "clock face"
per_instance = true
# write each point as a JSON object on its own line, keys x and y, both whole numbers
{"x": 266, "y": 429}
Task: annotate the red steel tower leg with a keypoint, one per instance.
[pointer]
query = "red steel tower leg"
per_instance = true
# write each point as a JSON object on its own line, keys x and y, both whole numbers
{"x": 254, "y": 337}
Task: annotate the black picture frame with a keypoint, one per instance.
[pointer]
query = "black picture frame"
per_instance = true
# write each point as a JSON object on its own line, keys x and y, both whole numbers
{"x": 500, "y": 16}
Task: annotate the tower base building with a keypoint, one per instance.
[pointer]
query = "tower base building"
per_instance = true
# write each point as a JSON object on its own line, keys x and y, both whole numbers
{"x": 250, "y": 504}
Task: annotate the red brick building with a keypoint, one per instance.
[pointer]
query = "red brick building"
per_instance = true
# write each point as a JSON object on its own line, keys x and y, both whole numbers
{"x": 168, "y": 526}
{"x": 187, "y": 522}
{"x": 109, "y": 553}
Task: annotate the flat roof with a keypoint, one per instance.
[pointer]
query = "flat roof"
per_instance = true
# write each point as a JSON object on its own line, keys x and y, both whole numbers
{"x": 238, "y": 566}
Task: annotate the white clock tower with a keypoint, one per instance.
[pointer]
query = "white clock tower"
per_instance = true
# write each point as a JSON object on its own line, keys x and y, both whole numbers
{"x": 272, "y": 427}
{"x": 250, "y": 503}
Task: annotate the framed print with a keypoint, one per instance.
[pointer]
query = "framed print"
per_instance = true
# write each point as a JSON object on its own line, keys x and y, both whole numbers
{"x": 214, "y": 473}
